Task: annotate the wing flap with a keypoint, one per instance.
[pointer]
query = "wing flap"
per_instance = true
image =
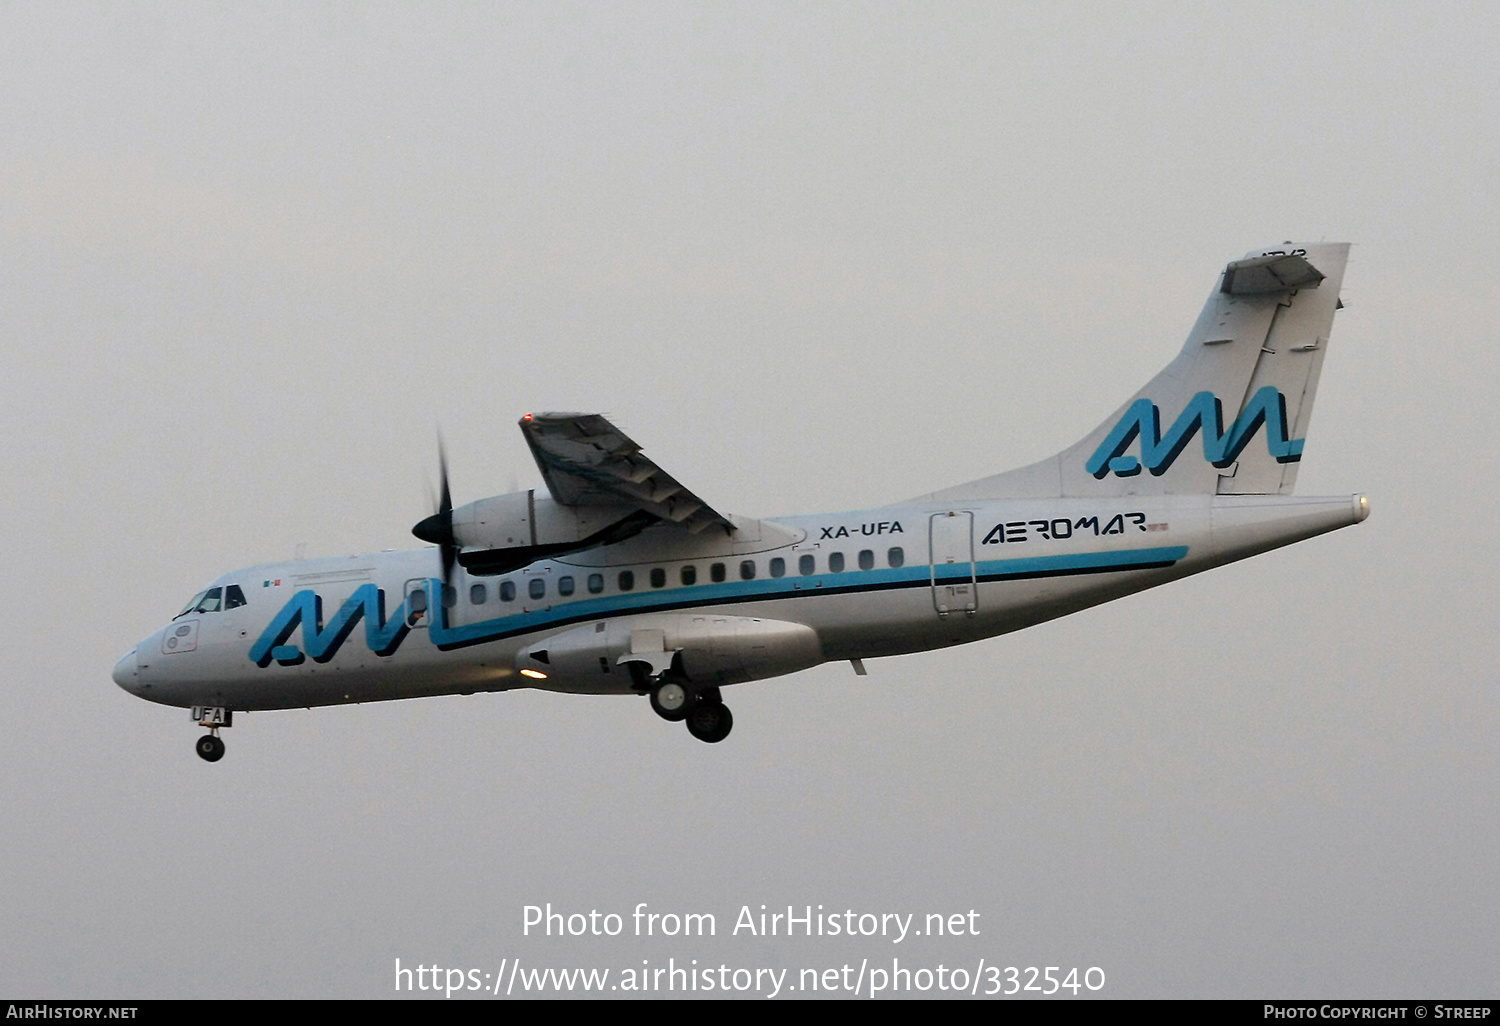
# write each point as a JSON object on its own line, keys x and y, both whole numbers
{"x": 587, "y": 461}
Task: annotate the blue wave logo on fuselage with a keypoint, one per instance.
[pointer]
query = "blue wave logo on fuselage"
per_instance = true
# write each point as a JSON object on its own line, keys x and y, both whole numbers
{"x": 321, "y": 643}
{"x": 1203, "y": 413}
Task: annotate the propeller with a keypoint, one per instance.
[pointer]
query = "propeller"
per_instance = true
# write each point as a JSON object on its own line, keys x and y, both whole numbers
{"x": 438, "y": 528}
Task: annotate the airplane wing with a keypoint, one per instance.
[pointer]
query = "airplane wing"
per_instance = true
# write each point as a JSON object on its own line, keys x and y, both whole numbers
{"x": 587, "y": 461}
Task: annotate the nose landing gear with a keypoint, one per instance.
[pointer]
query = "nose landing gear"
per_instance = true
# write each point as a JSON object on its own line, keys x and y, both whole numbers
{"x": 210, "y": 747}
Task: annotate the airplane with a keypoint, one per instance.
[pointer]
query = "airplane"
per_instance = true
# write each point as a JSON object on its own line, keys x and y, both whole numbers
{"x": 619, "y": 580}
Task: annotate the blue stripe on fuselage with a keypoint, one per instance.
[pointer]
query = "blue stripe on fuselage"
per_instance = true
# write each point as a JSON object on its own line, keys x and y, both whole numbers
{"x": 761, "y": 589}
{"x": 368, "y": 601}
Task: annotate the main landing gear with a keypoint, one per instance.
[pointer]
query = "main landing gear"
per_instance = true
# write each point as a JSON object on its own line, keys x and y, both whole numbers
{"x": 675, "y": 698}
{"x": 710, "y": 721}
{"x": 708, "y": 718}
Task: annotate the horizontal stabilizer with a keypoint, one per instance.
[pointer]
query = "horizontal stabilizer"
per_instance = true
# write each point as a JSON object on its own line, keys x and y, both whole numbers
{"x": 1276, "y": 272}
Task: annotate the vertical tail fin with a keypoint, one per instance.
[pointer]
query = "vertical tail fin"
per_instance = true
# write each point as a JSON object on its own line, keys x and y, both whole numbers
{"x": 1230, "y": 413}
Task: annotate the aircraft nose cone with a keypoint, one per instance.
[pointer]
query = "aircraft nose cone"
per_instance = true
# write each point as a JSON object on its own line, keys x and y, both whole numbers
{"x": 125, "y": 673}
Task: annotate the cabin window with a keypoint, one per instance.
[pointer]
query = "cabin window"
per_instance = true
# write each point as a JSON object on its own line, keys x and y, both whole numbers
{"x": 778, "y": 567}
{"x": 233, "y": 597}
{"x": 536, "y": 587}
{"x": 747, "y": 569}
{"x": 450, "y": 596}
{"x": 835, "y": 562}
{"x": 658, "y": 577}
{"x": 806, "y": 564}
{"x": 689, "y": 575}
{"x": 867, "y": 559}
{"x": 507, "y": 591}
{"x": 627, "y": 580}
{"x": 716, "y": 573}
{"x": 895, "y": 557}
{"x": 479, "y": 594}
{"x": 565, "y": 585}
{"x": 596, "y": 583}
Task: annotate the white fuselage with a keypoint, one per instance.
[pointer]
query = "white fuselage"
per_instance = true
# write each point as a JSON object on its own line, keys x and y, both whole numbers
{"x": 769, "y": 598}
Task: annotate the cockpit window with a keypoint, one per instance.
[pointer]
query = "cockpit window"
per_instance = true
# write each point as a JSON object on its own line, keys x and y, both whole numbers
{"x": 233, "y": 597}
{"x": 207, "y": 602}
{"x": 192, "y": 605}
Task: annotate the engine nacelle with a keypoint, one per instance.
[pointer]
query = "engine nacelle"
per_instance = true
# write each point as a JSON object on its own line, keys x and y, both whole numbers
{"x": 710, "y": 650}
{"x": 504, "y": 532}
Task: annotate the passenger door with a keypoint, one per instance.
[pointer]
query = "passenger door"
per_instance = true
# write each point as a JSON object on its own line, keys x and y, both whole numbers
{"x": 951, "y": 542}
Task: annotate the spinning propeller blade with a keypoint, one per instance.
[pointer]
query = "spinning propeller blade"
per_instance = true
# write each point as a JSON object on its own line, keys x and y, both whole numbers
{"x": 438, "y": 528}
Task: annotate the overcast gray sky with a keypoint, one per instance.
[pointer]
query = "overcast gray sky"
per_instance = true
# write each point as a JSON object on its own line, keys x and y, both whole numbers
{"x": 812, "y": 257}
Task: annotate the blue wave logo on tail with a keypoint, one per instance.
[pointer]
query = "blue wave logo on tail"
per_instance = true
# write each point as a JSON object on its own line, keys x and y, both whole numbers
{"x": 1203, "y": 413}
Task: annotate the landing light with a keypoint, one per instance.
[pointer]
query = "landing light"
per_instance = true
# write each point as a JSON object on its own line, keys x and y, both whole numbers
{"x": 537, "y": 674}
